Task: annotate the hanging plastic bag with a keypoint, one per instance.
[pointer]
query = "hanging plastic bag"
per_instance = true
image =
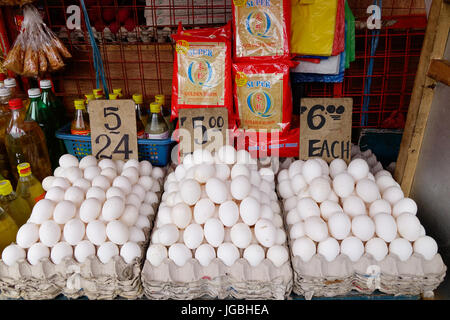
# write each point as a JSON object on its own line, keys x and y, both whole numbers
{"x": 37, "y": 49}
{"x": 350, "y": 36}
{"x": 261, "y": 29}
{"x": 339, "y": 30}
{"x": 202, "y": 70}
{"x": 313, "y": 26}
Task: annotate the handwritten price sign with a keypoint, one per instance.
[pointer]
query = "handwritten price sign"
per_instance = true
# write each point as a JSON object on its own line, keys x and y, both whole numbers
{"x": 113, "y": 129}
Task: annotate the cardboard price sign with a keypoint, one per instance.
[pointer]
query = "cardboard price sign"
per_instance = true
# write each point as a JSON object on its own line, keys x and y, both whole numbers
{"x": 202, "y": 128}
{"x": 113, "y": 129}
{"x": 326, "y": 128}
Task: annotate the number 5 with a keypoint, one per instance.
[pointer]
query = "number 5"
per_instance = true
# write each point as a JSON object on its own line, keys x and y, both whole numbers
{"x": 118, "y": 120}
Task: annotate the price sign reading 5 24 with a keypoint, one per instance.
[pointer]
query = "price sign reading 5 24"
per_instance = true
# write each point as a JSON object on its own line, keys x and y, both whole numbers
{"x": 113, "y": 129}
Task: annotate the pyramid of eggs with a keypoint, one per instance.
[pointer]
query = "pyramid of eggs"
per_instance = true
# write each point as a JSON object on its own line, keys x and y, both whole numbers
{"x": 219, "y": 226}
{"x": 95, "y": 215}
{"x": 354, "y": 225}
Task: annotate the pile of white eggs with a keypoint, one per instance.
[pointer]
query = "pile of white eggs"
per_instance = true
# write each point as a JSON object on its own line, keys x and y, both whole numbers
{"x": 346, "y": 209}
{"x": 91, "y": 208}
{"x": 370, "y": 157}
{"x": 220, "y": 206}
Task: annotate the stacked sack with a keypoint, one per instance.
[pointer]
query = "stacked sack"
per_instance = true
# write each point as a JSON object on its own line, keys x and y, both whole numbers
{"x": 349, "y": 229}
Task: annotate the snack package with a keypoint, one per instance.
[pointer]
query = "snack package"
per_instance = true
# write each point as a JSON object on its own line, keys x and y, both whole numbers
{"x": 261, "y": 29}
{"x": 37, "y": 49}
{"x": 262, "y": 95}
{"x": 202, "y": 70}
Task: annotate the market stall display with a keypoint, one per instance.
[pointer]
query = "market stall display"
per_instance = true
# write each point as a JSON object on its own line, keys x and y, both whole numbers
{"x": 89, "y": 234}
{"x": 218, "y": 232}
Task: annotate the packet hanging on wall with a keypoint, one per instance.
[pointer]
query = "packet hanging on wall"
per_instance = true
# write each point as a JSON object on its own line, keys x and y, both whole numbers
{"x": 202, "y": 70}
{"x": 262, "y": 95}
{"x": 261, "y": 29}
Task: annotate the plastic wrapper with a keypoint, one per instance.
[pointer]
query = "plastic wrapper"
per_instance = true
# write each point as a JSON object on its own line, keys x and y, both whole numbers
{"x": 202, "y": 70}
{"x": 262, "y": 95}
{"x": 313, "y": 26}
{"x": 339, "y": 31}
{"x": 36, "y": 49}
{"x": 261, "y": 29}
{"x": 14, "y": 2}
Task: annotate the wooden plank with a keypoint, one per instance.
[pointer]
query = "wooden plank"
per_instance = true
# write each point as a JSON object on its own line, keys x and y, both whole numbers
{"x": 433, "y": 48}
{"x": 439, "y": 70}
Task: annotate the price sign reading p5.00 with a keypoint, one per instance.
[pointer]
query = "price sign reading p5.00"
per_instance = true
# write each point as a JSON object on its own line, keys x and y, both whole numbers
{"x": 113, "y": 129}
{"x": 202, "y": 128}
{"x": 326, "y": 128}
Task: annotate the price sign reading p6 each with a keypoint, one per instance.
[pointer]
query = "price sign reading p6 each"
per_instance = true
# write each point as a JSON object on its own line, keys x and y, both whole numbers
{"x": 202, "y": 128}
{"x": 326, "y": 128}
{"x": 113, "y": 129}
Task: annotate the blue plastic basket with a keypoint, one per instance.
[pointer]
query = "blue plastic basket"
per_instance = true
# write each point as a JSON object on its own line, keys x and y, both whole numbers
{"x": 155, "y": 151}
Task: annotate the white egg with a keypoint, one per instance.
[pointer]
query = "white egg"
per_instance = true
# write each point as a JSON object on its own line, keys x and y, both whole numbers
{"x": 106, "y": 251}
{"x": 277, "y": 221}
{"x": 49, "y": 233}
{"x": 295, "y": 168}
{"x": 304, "y": 248}
{"x": 47, "y": 182}
{"x": 64, "y": 211}
{"x": 190, "y": 191}
{"x": 249, "y": 210}
{"x": 354, "y": 206}
{"x": 42, "y": 211}
{"x": 343, "y": 184}
{"x": 203, "y": 210}
{"x": 227, "y": 154}
{"x": 83, "y": 184}
{"x": 337, "y": 166}
{"x": 240, "y": 187}
{"x": 115, "y": 192}
{"x": 367, "y": 190}
{"x": 97, "y": 193}
{"x": 113, "y": 208}
{"x": 290, "y": 203}
{"x": 265, "y": 187}
{"x": 377, "y": 248}
{"x": 316, "y": 229}
{"x": 136, "y": 235}
{"x": 228, "y": 253}
{"x": 179, "y": 254}
{"x": 91, "y": 172}
{"x": 132, "y": 163}
{"x": 96, "y": 232}
{"x": 168, "y": 234}
{"x": 402, "y": 248}
{"x": 265, "y": 173}
{"x": 353, "y": 248}
{"x": 146, "y": 182}
{"x": 228, "y": 213}
{"x": 239, "y": 170}
{"x": 151, "y": 197}
{"x": 280, "y": 237}
{"x": 339, "y": 225}
{"x": 122, "y": 183}
{"x": 307, "y": 207}
{"x": 214, "y": 232}
{"x": 75, "y": 195}
{"x": 278, "y": 255}
{"x": 241, "y": 235}
{"x": 37, "y": 252}
{"x": 311, "y": 169}
{"x": 61, "y": 182}
{"x": 385, "y": 226}
{"x": 275, "y": 206}
{"x": 329, "y": 248}
{"x": 146, "y": 210}
{"x": 59, "y": 172}
{"x": 379, "y": 206}
{"x": 13, "y": 253}
{"x": 87, "y": 161}
{"x": 283, "y": 175}
{"x": 254, "y": 254}
{"x": 216, "y": 190}
{"x": 404, "y": 205}
{"x": 297, "y": 230}
{"x": 304, "y": 194}
{"x": 165, "y": 215}
{"x": 156, "y": 254}
{"x": 27, "y": 235}
{"x": 181, "y": 215}
{"x": 142, "y": 222}
{"x": 107, "y": 163}
{"x": 60, "y": 251}
{"x": 324, "y": 166}
{"x": 222, "y": 171}
{"x": 285, "y": 190}
{"x": 298, "y": 183}
{"x": 74, "y": 231}
{"x": 393, "y": 195}
{"x": 180, "y": 172}
{"x": 426, "y": 246}
{"x": 205, "y": 253}
{"x": 109, "y": 173}
{"x": 68, "y": 160}
{"x": 328, "y": 207}
{"x": 193, "y": 236}
{"x": 55, "y": 194}
{"x": 266, "y": 212}
{"x": 130, "y": 251}
{"x": 384, "y": 182}
{"x": 157, "y": 173}
{"x": 363, "y": 227}
{"x": 292, "y": 217}
{"x": 102, "y": 182}
{"x": 255, "y": 193}
{"x": 319, "y": 189}
{"x": 408, "y": 226}
{"x": 382, "y": 173}
{"x": 73, "y": 174}
{"x": 145, "y": 168}
{"x": 358, "y": 169}
{"x": 132, "y": 174}
{"x": 83, "y": 250}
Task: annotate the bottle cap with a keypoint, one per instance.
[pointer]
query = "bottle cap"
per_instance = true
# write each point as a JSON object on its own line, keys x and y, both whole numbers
{"x": 5, "y": 187}
{"x": 10, "y": 83}
{"x": 24, "y": 169}
{"x": 155, "y": 107}
{"x": 118, "y": 91}
{"x": 138, "y": 98}
{"x": 34, "y": 92}
{"x": 45, "y": 84}
{"x": 97, "y": 92}
{"x": 113, "y": 96}
{"x": 79, "y": 104}
{"x": 160, "y": 98}
{"x": 89, "y": 97}
{"x": 4, "y": 92}
{"x": 15, "y": 104}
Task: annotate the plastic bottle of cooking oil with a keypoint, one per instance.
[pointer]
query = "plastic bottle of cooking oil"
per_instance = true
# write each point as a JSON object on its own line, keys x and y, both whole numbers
{"x": 80, "y": 124}
{"x": 156, "y": 126}
{"x": 89, "y": 97}
{"x": 25, "y": 142}
{"x": 28, "y": 187}
{"x": 113, "y": 96}
{"x": 118, "y": 91}
{"x": 165, "y": 111}
{"x": 140, "y": 124}
{"x": 98, "y": 94}
{"x": 8, "y": 229}
{"x": 18, "y": 208}
{"x": 5, "y": 115}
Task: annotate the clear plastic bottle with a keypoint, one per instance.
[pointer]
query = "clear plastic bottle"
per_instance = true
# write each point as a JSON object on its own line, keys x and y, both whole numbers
{"x": 113, "y": 96}
{"x": 5, "y": 115}
{"x": 98, "y": 94}
{"x": 80, "y": 124}
{"x": 165, "y": 111}
{"x": 118, "y": 91}
{"x": 156, "y": 126}
{"x": 28, "y": 187}
{"x": 18, "y": 208}
{"x": 8, "y": 229}
{"x": 89, "y": 97}
{"x": 140, "y": 117}
{"x": 11, "y": 84}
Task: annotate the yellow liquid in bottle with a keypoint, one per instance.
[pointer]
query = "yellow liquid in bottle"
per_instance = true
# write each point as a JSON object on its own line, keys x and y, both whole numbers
{"x": 18, "y": 209}
{"x": 30, "y": 189}
{"x": 8, "y": 230}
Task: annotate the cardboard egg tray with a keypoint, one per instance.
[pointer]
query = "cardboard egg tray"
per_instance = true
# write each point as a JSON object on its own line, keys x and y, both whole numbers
{"x": 92, "y": 278}
{"x": 240, "y": 281}
{"x": 318, "y": 277}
